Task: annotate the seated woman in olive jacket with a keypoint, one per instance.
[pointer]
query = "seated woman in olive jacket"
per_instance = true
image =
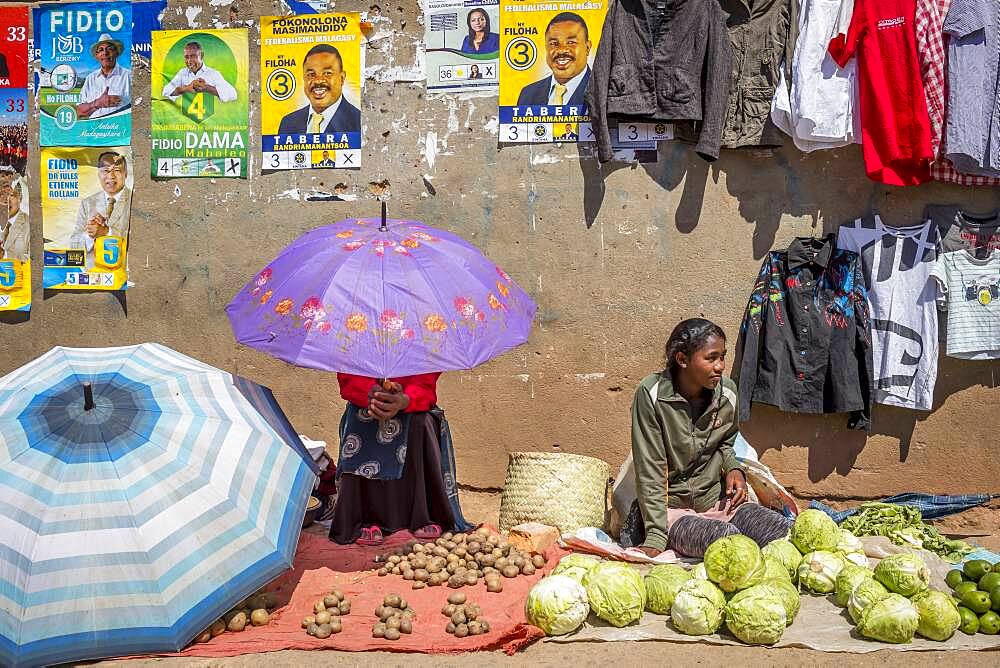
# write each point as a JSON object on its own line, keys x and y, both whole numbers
{"x": 683, "y": 430}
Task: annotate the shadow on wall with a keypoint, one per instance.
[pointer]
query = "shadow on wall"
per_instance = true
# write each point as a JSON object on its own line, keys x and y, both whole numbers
{"x": 835, "y": 449}
{"x": 830, "y": 187}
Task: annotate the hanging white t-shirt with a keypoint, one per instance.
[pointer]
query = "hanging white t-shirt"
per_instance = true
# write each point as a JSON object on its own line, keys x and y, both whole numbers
{"x": 970, "y": 288}
{"x": 897, "y": 263}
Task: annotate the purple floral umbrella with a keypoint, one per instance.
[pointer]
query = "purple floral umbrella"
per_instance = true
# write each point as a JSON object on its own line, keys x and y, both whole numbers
{"x": 383, "y": 301}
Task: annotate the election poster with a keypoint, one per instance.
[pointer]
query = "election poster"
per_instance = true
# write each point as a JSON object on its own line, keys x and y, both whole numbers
{"x": 547, "y": 52}
{"x": 13, "y": 47}
{"x": 310, "y": 71}
{"x": 86, "y": 73}
{"x": 15, "y": 228}
{"x": 200, "y": 106}
{"x": 146, "y": 17}
{"x": 86, "y": 202}
{"x": 463, "y": 44}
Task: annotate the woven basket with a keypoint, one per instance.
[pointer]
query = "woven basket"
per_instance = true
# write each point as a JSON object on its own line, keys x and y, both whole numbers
{"x": 555, "y": 488}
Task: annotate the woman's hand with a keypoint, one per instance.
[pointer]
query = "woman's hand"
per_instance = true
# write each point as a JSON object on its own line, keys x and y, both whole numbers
{"x": 736, "y": 488}
{"x": 651, "y": 552}
{"x": 385, "y": 405}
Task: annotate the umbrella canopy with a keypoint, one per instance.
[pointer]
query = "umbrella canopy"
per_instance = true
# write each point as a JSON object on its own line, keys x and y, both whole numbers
{"x": 132, "y": 521}
{"x": 381, "y": 302}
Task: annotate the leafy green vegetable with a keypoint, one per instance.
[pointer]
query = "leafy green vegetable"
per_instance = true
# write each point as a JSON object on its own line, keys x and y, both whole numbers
{"x": 868, "y": 591}
{"x": 814, "y": 530}
{"x": 662, "y": 583}
{"x": 893, "y": 619}
{"x": 575, "y": 566}
{"x": 774, "y": 570}
{"x": 698, "y": 608}
{"x": 734, "y": 562}
{"x": 785, "y": 553}
{"x": 904, "y": 525}
{"x": 557, "y": 605}
{"x": 616, "y": 592}
{"x": 850, "y": 576}
{"x": 905, "y": 574}
{"x": 785, "y": 591}
{"x": 818, "y": 571}
{"x": 756, "y": 616}
{"x": 939, "y": 618}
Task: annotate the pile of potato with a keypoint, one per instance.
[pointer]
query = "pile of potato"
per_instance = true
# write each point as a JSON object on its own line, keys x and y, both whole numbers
{"x": 460, "y": 560}
{"x": 252, "y": 611}
{"x": 464, "y": 617}
{"x": 395, "y": 617}
{"x": 325, "y": 620}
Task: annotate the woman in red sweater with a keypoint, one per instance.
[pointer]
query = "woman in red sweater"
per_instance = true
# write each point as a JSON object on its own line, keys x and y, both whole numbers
{"x": 396, "y": 469}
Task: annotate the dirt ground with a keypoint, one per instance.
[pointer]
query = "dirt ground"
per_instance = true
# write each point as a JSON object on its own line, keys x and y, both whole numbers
{"x": 579, "y": 655}
{"x": 485, "y": 507}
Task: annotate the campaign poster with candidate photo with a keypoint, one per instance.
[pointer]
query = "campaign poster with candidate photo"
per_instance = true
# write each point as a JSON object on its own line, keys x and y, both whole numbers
{"x": 546, "y": 54}
{"x": 15, "y": 227}
{"x": 86, "y": 203}
{"x": 13, "y": 47}
{"x": 463, "y": 44}
{"x": 85, "y": 96}
{"x": 310, "y": 71}
{"x": 200, "y": 107}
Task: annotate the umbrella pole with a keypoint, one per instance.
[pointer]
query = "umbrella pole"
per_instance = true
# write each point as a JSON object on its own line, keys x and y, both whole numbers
{"x": 88, "y": 396}
{"x": 383, "y": 227}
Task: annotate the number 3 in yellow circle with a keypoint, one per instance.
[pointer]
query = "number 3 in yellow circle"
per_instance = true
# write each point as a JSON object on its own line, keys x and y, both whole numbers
{"x": 521, "y": 53}
{"x": 280, "y": 84}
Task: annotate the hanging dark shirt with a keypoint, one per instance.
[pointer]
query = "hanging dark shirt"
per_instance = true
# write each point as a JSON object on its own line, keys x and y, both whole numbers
{"x": 805, "y": 343}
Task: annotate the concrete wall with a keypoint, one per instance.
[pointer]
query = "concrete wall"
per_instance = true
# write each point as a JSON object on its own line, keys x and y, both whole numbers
{"x": 614, "y": 259}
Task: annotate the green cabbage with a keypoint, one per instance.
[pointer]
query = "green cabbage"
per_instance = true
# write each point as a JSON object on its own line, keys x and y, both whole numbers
{"x": 699, "y": 572}
{"x": 773, "y": 570}
{"x": 575, "y": 566}
{"x": 756, "y": 616}
{"x": 850, "y": 576}
{"x": 868, "y": 591}
{"x": 698, "y": 608}
{"x": 856, "y": 558}
{"x": 818, "y": 571}
{"x": 893, "y": 619}
{"x": 784, "y": 590}
{"x": 662, "y": 583}
{"x": 905, "y": 574}
{"x": 734, "y": 562}
{"x": 557, "y": 605}
{"x": 814, "y": 530}
{"x": 939, "y": 618}
{"x": 786, "y": 554}
{"x": 849, "y": 543}
{"x": 616, "y": 592}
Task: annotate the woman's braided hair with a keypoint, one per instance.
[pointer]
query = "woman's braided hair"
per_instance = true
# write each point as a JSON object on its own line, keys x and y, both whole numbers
{"x": 690, "y": 335}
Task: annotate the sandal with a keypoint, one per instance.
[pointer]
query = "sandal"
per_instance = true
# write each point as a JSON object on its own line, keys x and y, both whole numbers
{"x": 429, "y": 532}
{"x": 370, "y": 537}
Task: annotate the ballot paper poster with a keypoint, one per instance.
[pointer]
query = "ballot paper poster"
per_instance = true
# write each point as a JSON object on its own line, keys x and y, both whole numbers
{"x": 200, "y": 113}
{"x": 546, "y": 52}
{"x": 462, "y": 39}
{"x": 310, "y": 70}
{"x": 86, "y": 203}
{"x": 85, "y": 85}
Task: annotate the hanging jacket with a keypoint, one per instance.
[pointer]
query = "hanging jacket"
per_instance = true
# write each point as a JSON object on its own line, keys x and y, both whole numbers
{"x": 805, "y": 342}
{"x": 662, "y": 60}
{"x": 762, "y": 35}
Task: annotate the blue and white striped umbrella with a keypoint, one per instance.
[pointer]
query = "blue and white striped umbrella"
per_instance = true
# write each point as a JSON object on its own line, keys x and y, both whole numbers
{"x": 131, "y": 526}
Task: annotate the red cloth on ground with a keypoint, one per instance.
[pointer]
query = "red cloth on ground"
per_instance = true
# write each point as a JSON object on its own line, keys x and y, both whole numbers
{"x": 421, "y": 388}
{"x": 321, "y": 566}
{"x": 895, "y": 125}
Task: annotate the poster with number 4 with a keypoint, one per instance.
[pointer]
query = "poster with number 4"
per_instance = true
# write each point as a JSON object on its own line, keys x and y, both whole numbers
{"x": 200, "y": 115}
